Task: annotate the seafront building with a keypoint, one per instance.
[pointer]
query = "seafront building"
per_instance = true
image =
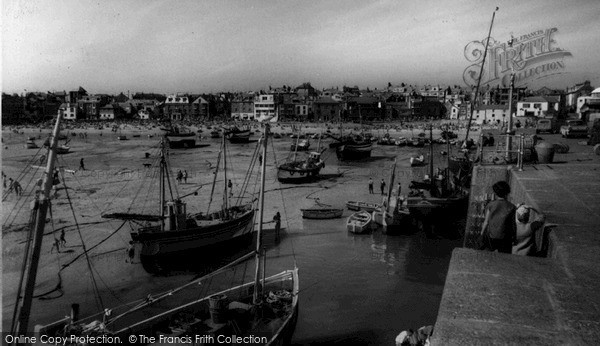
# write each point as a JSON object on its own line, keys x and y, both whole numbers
{"x": 306, "y": 103}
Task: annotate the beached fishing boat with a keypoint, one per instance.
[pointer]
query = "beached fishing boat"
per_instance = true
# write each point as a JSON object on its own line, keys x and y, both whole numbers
{"x": 179, "y": 138}
{"x": 366, "y": 206}
{"x": 354, "y": 148}
{"x": 302, "y": 145}
{"x": 438, "y": 197}
{"x": 416, "y": 161}
{"x": 393, "y": 215}
{"x": 321, "y": 213}
{"x": 297, "y": 171}
{"x": 237, "y": 135}
{"x": 263, "y": 311}
{"x": 359, "y": 222}
{"x": 173, "y": 232}
{"x": 30, "y": 144}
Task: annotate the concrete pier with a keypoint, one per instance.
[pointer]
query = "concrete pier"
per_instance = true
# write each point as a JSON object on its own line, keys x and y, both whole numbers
{"x": 499, "y": 299}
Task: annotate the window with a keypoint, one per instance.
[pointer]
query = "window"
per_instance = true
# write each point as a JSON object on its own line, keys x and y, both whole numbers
{"x": 537, "y": 105}
{"x": 525, "y": 105}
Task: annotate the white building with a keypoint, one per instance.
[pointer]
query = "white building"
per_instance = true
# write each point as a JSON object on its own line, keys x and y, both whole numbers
{"x": 490, "y": 114}
{"x": 538, "y": 106}
{"x": 265, "y": 108}
{"x": 593, "y": 99}
{"x": 69, "y": 111}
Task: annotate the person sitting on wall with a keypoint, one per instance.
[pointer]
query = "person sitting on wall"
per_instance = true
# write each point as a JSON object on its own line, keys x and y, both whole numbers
{"x": 529, "y": 221}
{"x": 498, "y": 228}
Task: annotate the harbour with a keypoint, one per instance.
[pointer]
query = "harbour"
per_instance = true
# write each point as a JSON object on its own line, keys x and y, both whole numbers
{"x": 343, "y": 273}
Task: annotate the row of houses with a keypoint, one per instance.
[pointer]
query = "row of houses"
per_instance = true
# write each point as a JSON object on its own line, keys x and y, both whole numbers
{"x": 401, "y": 102}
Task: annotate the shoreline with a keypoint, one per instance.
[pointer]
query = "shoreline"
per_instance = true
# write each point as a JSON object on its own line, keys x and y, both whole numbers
{"x": 395, "y": 129}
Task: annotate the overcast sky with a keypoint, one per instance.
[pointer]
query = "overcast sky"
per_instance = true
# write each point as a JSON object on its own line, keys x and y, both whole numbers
{"x": 214, "y": 45}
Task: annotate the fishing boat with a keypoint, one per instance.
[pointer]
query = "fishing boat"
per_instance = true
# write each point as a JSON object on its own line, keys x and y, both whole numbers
{"x": 62, "y": 149}
{"x": 297, "y": 171}
{"x": 122, "y": 137}
{"x": 30, "y": 144}
{"x": 416, "y": 161}
{"x": 359, "y": 222}
{"x": 439, "y": 197}
{"x": 172, "y": 231}
{"x": 366, "y": 206}
{"x": 215, "y": 134}
{"x": 393, "y": 215}
{"x": 237, "y": 135}
{"x": 302, "y": 145}
{"x": 178, "y": 138}
{"x": 386, "y": 140}
{"x": 321, "y": 211}
{"x": 263, "y": 311}
{"x": 354, "y": 148}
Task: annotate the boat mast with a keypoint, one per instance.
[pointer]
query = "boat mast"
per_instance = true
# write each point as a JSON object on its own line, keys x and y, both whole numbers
{"x": 391, "y": 185}
{"x": 225, "y": 193}
{"x": 432, "y": 181}
{"x": 161, "y": 181}
{"x": 261, "y": 204}
{"x": 487, "y": 42}
{"x": 296, "y": 147}
{"x": 40, "y": 208}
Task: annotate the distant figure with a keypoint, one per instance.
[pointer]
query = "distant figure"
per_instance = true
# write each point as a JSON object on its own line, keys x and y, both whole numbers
{"x": 63, "y": 241}
{"x": 382, "y": 185}
{"x": 277, "y": 219}
{"x": 42, "y": 159}
{"x": 260, "y": 159}
{"x": 11, "y": 184}
{"x": 130, "y": 253}
{"x": 370, "y": 185}
{"x": 81, "y": 165}
{"x": 179, "y": 176}
{"x": 498, "y": 229}
{"x": 18, "y": 188}
{"x": 56, "y": 246}
{"x": 230, "y": 188}
{"x": 185, "y": 175}
{"x": 529, "y": 221}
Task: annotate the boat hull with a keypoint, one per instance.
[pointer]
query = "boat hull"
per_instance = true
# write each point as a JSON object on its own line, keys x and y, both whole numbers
{"x": 290, "y": 175}
{"x": 156, "y": 244}
{"x": 321, "y": 213}
{"x": 277, "y": 330}
{"x": 346, "y": 152}
{"x": 357, "y": 206}
{"x": 393, "y": 222}
{"x": 182, "y": 141}
{"x": 360, "y": 222}
{"x": 239, "y": 137}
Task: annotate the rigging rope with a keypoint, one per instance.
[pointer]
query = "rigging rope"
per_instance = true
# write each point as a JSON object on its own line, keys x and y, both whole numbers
{"x": 96, "y": 291}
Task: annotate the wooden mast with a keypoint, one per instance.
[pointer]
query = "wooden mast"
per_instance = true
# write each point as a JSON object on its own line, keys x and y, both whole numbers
{"x": 40, "y": 208}
{"x": 225, "y": 192}
{"x": 480, "y": 75}
{"x": 261, "y": 203}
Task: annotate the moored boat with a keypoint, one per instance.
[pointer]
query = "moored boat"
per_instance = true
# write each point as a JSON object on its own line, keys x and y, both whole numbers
{"x": 359, "y": 222}
{"x": 31, "y": 144}
{"x": 366, "y": 206}
{"x": 416, "y": 161}
{"x": 237, "y": 135}
{"x": 321, "y": 213}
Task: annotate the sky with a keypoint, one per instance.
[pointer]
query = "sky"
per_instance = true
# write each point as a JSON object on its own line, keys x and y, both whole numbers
{"x": 202, "y": 46}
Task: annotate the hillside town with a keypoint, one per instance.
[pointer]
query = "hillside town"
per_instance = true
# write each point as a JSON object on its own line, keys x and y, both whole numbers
{"x": 399, "y": 103}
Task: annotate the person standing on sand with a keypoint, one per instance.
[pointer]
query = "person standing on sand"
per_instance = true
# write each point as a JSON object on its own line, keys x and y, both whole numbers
{"x": 185, "y": 175}
{"x": 81, "y": 165}
{"x": 179, "y": 176}
{"x": 499, "y": 229}
{"x": 382, "y": 185}
{"x": 63, "y": 241}
{"x": 371, "y": 185}
{"x": 277, "y": 219}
